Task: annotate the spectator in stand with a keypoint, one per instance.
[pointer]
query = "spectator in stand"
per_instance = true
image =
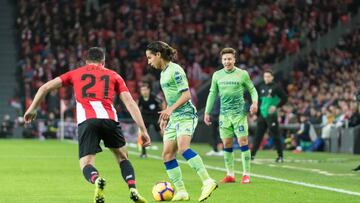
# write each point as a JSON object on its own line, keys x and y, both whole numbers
{"x": 7, "y": 127}
{"x": 305, "y": 134}
{"x": 51, "y": 127}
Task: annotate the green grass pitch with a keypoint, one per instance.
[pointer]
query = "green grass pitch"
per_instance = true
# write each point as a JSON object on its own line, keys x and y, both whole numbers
{"x": 33, "y": 171}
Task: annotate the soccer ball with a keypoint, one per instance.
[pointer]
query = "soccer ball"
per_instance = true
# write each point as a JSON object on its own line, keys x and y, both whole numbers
{"x": 163, "y": 191}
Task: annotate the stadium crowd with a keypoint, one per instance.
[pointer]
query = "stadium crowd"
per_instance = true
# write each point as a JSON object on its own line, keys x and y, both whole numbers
{"x": 55, "y": 34}
{"x": 324, "y": 86}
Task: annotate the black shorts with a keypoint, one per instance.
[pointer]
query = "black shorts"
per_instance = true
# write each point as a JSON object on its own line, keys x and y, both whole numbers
{"x": 92, "y": 131}
{"x": 155, "y": 124}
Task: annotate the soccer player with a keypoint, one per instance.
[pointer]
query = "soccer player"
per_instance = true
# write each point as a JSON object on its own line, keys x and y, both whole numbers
{"x": 271, "y": 98}
{"x": 149, "y": 105}
{"x": 178, "y": 121}
{"x": 230, "y": 83}
{"x": 94, "y": 87}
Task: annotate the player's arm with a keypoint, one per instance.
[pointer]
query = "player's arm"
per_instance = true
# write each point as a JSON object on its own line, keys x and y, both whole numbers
{"x": 185, "y": 96}
{"x": 253, "y": 93}
{"x": 211, "y": 100}
{"x": 133, "y": 109}
{"x": 30, "y": 113}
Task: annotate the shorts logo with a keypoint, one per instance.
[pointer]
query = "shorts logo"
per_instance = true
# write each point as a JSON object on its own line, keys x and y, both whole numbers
{"x": 241, "y": 128}
{"x": 220, "y": 123}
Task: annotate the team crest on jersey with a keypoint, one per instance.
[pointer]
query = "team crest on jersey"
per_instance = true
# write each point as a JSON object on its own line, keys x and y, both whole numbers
{"x": 241, "y": 128}
{"x": 178, "y": 77}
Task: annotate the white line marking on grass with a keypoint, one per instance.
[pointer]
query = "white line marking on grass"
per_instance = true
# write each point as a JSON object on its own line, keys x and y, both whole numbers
{"x": 270, "y": 162}
{"x": 314, "y": 170}
{"x": 263, "y": 176}
{"x": 268, "y": 177}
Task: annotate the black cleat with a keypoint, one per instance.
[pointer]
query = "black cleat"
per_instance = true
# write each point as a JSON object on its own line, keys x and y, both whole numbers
{"x": 357, "y": 168}
{"x": 279, "y": 159}
{"x": 143, "y": 156}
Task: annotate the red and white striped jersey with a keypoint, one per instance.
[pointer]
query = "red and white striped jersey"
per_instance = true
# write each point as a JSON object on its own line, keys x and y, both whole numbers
{"x": 94, "y": 87}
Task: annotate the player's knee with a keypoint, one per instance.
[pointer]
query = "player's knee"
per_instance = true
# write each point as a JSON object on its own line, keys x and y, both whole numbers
{"x": 243, "y": 141}
{"x": 120, "y": 154}
{"x": 85, "y": 161}
{"x": 228, "y": 143}
{"x": 167, "y": 156}
{"x": 182, "y": 149}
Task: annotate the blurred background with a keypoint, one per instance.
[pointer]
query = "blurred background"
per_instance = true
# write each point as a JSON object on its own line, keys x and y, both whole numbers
{"x": 312, "y": 46}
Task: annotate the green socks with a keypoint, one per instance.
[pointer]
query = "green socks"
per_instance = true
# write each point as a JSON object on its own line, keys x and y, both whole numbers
{"x": 196, "y": 163}
{"x": 174, "y": 172}
{"x": 229, "y": 161}
{"x": 245, "y": 158}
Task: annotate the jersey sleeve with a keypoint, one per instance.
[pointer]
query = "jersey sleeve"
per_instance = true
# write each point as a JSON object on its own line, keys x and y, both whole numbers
{"x": 180, "y": 80}
{"x": 66, "y": 78}
{"x": 120, "y": 85}
{"x": 212, "y": 94}
{"x": 250, "y": 87}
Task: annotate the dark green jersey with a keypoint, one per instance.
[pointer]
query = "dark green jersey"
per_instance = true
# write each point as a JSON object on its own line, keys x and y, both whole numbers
{"x": 230, "y": 85}
{"x": 270, "y": 95}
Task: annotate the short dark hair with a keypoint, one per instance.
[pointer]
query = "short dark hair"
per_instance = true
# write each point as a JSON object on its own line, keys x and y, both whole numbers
{"x": 228, "y": 50}
{"x": 145, "y": 84}
{"x": 167, "y": 52}
{"x": 269, "y": 71}
{"x": 95, "y": 54}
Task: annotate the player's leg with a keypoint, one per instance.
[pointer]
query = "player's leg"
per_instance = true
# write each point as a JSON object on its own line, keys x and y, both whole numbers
{"x": 88, "y": 147}
{"x": 241, "y": 132}
{"x": 245, "y": 158}
{"x": 259, "y": 134}
{"x": 228, "y": 157}
{"x": 115, "y": 141}
{"x": 185, "y": 130}
{"x": 127, "y": 172}
{"x": 91, "y": 174}
{"x": 274, "y": 131}
{"x": 226, "y": 134}
{"x": 173, "y": 170}
{"x": 87, "y": 166}
{"x": 172, "y": 167}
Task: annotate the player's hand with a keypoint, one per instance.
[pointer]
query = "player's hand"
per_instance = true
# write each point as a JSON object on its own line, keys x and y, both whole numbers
{"x": 146, "y": 141}
{"x": 163, "y": 124}
{"x": 207, "y": 119}
{"x": 29, "y": 116}
{"x": 165, "y": 114}
{"x": 254, "y": 108}
{"x": 272, "y": 109}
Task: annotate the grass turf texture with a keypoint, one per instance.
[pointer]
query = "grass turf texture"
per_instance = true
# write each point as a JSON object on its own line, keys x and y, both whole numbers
{"x": 35, "y": 171}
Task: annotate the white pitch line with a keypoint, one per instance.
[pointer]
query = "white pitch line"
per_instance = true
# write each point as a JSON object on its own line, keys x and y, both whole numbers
{"x": 263, "y": 176}
{"x": 268, "y": 177}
